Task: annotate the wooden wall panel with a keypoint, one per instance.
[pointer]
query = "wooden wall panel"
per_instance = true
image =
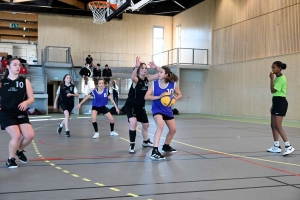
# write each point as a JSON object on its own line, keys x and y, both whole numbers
{"x": 132, "y": 35}
{"x": 270, "y": 34}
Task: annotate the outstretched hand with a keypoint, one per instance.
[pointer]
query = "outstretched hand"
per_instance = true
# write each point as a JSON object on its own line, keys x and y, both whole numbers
{"x": 152, "y": 65}
{"x": 137, "y": 61}
{"x": 78, "y": 106}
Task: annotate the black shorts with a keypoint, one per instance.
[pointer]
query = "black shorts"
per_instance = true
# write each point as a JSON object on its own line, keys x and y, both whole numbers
{"x": 10, "y": 120}
{"x": 65, "y": 106}
{"x": 103, "y": 109}
{"x": 165, "y": 117}
{"x": 279, "y": 106}
{"x": 138, "y": 112}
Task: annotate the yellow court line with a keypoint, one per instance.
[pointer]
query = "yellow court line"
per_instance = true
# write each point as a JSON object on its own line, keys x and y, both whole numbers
{"x": 47, "y": 161}
{"x": 115, "y": 189}
{"x": 66, "y": 171}
{"x": 228, "y": 154}
{"x": 58, "y": 167}
{"x": 52, "y": 164}
{"x": 124, "y": 139}
{"x": 75, "y": 175}
{"x": 85, "y": 179}
{"x": 99, "y": 184}
{"x": 238, "y": 136}
{"x": 133, "y": 195}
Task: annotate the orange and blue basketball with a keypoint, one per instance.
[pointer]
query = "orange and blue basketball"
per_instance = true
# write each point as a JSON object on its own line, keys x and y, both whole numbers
{"x": 167, "y": 99}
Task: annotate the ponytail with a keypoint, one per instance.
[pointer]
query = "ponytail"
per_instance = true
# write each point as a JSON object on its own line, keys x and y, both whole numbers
{"x": 171, "y": 76}
{"x": 6, "y": 73}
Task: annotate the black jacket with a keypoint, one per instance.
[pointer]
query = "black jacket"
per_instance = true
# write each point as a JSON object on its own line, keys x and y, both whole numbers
{"x": 85, "y": 71}
{"x": 107, "y": 73}
{"x": 96, "y": 72}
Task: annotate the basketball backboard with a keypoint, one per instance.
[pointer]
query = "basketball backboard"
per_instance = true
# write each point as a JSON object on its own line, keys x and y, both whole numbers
{"x": 117, "y": 7}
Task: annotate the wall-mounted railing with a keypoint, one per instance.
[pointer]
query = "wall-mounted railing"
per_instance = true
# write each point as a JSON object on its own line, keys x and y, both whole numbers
{"x": 115, "y": 59}
{"x": 182, "y": 56}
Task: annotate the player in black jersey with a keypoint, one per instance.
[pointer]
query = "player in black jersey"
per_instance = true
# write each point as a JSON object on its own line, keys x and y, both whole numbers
{"x": 16, "y": 94}
{"x": 65, "y": 97}
{"x": 135, "y": 103}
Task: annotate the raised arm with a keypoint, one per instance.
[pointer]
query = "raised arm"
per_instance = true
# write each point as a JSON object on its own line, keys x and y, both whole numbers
{"x": 134, "y": 72}
{"x": 153, "y": 76}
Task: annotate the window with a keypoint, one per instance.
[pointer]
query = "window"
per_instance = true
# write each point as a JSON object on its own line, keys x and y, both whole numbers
{"x": 158, "y": 45}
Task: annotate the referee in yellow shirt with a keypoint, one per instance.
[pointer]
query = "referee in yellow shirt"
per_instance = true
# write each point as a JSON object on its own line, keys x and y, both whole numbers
{"x": 279, "y": 108}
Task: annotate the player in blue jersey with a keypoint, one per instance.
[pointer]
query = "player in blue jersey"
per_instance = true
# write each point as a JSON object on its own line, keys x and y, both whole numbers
{"x": 101, "y": 95}
{"x": 166, "y": 83}
{"x": 15, "y": 95}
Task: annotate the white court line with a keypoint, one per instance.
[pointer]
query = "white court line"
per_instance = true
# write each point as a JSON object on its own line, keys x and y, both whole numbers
{"x": 39, "y": 117}
{"x": 58, "y": 118}
{"x": 36, "y": 120}
{"x": 83, "y": 117}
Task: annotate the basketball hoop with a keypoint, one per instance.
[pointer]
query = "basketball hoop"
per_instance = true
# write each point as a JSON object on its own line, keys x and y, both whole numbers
{"x": 98, "y": 9}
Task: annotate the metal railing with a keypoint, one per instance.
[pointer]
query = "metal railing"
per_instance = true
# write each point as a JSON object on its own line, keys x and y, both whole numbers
{"x": 115, "y": 59}
{"x": 72, "y": 70}
{"x": 57, "y": 54}
{"x": 182, "y": 56}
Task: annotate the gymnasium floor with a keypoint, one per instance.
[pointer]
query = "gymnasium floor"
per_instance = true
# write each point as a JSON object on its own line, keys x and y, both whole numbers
{"x": 218, "y": 158}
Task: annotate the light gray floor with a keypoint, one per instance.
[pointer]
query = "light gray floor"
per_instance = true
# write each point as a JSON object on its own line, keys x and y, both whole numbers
{"x": 216, "y": 159}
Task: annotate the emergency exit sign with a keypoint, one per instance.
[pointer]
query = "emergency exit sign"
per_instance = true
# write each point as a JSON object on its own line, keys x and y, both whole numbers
{"x": 12, "y": 25}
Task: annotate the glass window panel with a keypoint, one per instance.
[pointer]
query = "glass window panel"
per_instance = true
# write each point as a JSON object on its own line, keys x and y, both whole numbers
{"x": 158, "y": 32}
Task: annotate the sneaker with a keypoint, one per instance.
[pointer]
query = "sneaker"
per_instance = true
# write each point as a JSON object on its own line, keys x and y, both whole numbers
{"x": 59, "y": 129}
{"x": 288, "y": 150}
{"x": 113, "y": 133}
{"x": 96, "y": 135}
{"x": 11, "y": 163}
{"x": 21, "y": 156}
{"x": 131, "y": 149}
{"x": 168, "y": 149}
{"x": 157, "y": 155}
{"x": 147, "y": 143}
{"x": 274, "y": 149}
{"x": 67, "y": 134}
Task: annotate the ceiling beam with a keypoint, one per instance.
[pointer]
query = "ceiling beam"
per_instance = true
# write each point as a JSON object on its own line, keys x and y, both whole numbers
{"x": 6, "y": 37}
{"x": 18, "y": 32}
{"x": 19, "y": 16}
{"x": 75, "y": 3}
{"x": 21, "y": 25}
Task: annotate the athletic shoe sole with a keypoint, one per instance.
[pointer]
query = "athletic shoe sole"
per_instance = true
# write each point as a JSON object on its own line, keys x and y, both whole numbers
{"x": 289, "y": 153}
{"x": 157, "y": 158}
{"x": 168, "y": 151}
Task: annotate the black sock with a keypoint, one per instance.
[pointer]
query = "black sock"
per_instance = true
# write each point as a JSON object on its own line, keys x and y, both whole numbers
{"x": 146, "y": 141}
{"x": 112, "y": 127}
{"x": 166, "y": 145}
{"x": 132, "y": 135}
{"x": 95, "y": 125}
{"x": 132, "y": 145}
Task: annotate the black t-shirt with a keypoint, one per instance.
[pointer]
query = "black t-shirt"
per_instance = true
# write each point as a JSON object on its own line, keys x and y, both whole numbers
{"x": 85, "y": 71}
{"x": 63, "y": 94}
{"x": 96, "y": 72}
{"x": 137, "y": 95}
{"x": 12, "y": 93}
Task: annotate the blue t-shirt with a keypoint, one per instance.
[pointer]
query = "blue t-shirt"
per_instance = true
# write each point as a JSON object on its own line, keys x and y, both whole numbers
{"x": 100, "y": 99}
{"x": 157, "y": 106}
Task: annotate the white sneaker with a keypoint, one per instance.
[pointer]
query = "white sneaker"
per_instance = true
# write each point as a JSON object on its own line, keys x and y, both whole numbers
{"x": 131, "y": 150}
{"x": 113, "y": 133}
{"x": 288, "y": 150}
{"x": 274, "y": 149}
{"x": 96, "y": 135}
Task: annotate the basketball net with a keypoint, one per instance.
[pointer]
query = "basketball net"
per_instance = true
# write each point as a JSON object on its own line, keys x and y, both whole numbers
{"x": 99, "y": 9}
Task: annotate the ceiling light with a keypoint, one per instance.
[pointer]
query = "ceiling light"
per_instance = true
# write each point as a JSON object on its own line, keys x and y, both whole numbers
{"x": 23, "y": 35}
{"x": 25, "y": 20}
{"x": 24, "y": 28}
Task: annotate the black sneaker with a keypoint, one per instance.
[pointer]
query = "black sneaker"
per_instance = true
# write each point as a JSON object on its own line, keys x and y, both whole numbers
{"x": 11, "y": 163}
{"x": 168, "y": 149}
{"x": 59, "y": 129}
{"x": 21, "y": 156}
{"x": 67, "y": 134}
{"x": 147, "y": 143}
{"x": 157, "y": 155}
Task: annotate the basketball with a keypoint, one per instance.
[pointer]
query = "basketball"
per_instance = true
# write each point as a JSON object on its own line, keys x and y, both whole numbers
{"x": 167, "y": 99}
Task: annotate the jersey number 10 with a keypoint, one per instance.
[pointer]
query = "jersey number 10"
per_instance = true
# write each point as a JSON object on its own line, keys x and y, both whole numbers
{"x": 19, "y": 84}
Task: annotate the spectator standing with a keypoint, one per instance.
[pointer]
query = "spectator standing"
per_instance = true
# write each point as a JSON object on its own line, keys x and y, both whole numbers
{"x": 115, "y": 91}
{"x": 85, "y": 73}
{"x": 96, "y": 74}
{"x": 89, "y": 60}
{"x": 4, "y": 63}
{"x": 107, "y": 74}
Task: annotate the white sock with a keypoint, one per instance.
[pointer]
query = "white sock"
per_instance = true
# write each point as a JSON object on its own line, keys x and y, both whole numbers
{"x": 67, "y": 129}
{"x": 287, "y": 144}
{"x": 60, "y": 125}
{"x": 276, "y": 143}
